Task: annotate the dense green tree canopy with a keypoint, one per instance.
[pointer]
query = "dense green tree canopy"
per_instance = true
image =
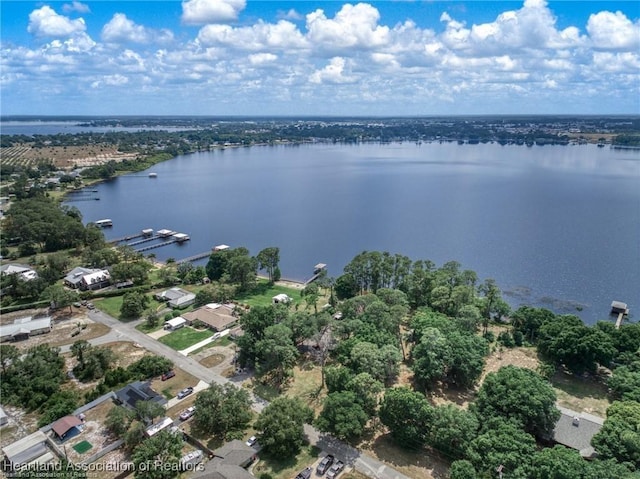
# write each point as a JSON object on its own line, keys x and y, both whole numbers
{"x": 408, "y": 416}
{"x": 502, "y": 444}
{"x": 280, "y": 426}
{"x": 452, "y": 429}
{"x": 342, "y": 415}
{"x": 619, "y": 437}
{"x": 158, "y": 457}
{"x": 222, "y": 410}
{"x": 518, "y": 394}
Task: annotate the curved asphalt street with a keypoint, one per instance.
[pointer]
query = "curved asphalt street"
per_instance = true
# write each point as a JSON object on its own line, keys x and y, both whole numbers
{"x": 126, "y": 332}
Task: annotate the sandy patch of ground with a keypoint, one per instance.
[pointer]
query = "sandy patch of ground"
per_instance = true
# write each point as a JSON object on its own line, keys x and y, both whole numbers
{"x": 521, "y": 357}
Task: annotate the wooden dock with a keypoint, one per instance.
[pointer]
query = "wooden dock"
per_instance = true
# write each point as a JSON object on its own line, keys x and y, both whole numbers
{"x": 124, "y": 238}
{"x": 154, "y": 246}
{"x": 195, "y": 257}
{"x": 621, "y": 309}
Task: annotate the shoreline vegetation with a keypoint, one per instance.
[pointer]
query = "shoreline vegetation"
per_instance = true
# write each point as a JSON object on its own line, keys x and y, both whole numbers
{"x": 70, "y": 161}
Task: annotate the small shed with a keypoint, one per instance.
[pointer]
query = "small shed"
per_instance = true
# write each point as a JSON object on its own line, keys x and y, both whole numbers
{"x": 281, "y": 299}
{"x": 319, "y": 267}
{"x": 147, "y": 232}
{"x": 66, "y": 427}
{"x": 3, "y": 417}
{"x": 220, "y": 247}
{"x": 175, "y": 323}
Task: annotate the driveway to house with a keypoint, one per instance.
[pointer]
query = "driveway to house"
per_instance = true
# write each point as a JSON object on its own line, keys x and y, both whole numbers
{"x": 363, "y": 463}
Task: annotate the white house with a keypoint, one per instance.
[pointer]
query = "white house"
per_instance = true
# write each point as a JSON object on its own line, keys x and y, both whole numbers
{"x": 87, "y": 278}
{"x": 24, "y": 272}
{"x": 175, "y": 323}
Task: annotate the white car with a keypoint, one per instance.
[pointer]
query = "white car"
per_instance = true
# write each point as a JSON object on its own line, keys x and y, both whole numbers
{"x": 187, "y": 413}
{"x": 251, "y": 441}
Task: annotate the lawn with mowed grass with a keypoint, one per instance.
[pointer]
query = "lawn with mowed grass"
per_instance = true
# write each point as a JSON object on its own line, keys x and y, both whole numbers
{"x": 185, "y": 337}
{"x": 280, "y": 468}
{"x": 111, "y": 305}
{"x": 263, "y": 293}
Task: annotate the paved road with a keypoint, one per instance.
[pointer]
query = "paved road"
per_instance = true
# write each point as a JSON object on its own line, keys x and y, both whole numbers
{"x": 127, "y": 332}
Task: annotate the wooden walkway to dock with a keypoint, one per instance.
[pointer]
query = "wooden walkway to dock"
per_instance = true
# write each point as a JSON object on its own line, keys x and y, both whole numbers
{"x": 154, "y": 246}
{"x": 195, "y": 257}
{"x": 124, "y": 238}
{"x": 619, "y": 320}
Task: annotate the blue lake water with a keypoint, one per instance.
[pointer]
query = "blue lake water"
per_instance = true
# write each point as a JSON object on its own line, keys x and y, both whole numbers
{"x": 555, "y": 226}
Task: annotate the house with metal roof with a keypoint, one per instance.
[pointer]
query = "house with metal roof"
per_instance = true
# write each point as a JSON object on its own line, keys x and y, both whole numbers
{"x": 575, "y": 430}
{"x": 24, "y": 328}
{"x": 29, "y": 449}
{"x": 176, "y": 297}
{"x": 67, "y": 427}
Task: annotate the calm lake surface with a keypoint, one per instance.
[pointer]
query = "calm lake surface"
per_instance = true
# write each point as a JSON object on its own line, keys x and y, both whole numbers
{"x": 555, "y": 226}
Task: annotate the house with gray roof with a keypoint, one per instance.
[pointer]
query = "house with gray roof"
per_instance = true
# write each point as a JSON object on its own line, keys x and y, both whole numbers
{"x": 138, "y": 391}
{"x": 575, "y": 430}
{"x": 176, "y": 297}
{"x": 230, "y": 462}
{"x": 24, "y": 272}
{"x": 87, "y": 278}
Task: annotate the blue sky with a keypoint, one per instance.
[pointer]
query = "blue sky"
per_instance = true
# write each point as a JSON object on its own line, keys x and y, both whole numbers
{"x": 244, "y": 57}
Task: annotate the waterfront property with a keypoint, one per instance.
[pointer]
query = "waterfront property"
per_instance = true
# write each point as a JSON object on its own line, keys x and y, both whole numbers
{"x": 87, "y": 278}
{"x": 216, "y": 317}
{"x": 575, "y": 430}
{"x": 176, "y": 297}
{"x": 24, "y": 328}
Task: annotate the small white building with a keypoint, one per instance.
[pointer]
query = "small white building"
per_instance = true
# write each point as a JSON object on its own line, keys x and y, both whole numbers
{"x": 24, "y": 272}
{"x": 159, "y": 426}
{"x": 281, "y": 299}
{"x": 175, "y": 323}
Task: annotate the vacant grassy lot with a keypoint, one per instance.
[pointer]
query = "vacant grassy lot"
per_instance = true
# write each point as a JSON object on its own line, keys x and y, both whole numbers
{"x": 185, "y": 337}
{"x": 111, "y": 305}
{"x": 263, "y": 294}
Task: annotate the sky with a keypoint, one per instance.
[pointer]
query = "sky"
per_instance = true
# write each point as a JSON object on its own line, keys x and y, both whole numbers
{"x": 329, "y": 58}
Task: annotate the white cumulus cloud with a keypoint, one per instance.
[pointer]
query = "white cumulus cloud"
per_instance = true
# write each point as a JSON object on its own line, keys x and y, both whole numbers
{"x": 121, "y": 29}
{"x": 45, "y": 22}
{"x": 352, "y": 27}
{"x": 202, "y": 12}
{"x": 282, "y": 35}
{"x": 334, "y": 72}
{"x": 609, "y": 30}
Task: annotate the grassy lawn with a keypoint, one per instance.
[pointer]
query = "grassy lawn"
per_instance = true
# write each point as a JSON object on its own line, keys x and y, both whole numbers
{"x": 307, "y": 385}
{"x": 143, "y": 327}
{"x": 185, "y": 337}
{"x": 287, "y": 468}
{"x": 111, "y": 305}
{"x": 263, "y": 294}
{"x": 581, "y": 394}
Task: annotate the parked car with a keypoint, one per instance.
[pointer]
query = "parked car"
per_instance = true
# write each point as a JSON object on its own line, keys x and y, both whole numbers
{"x": 251, "y": 441}
{"x": 168, "y": 375}
{"x": 185, "y": 392}
{"x": 187, "y": 413}
{"x": 335, "y": 470}
{"x": 304, "y": 474}
{"x": 324, "y": 464}
{"x": 90, "y": 306}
